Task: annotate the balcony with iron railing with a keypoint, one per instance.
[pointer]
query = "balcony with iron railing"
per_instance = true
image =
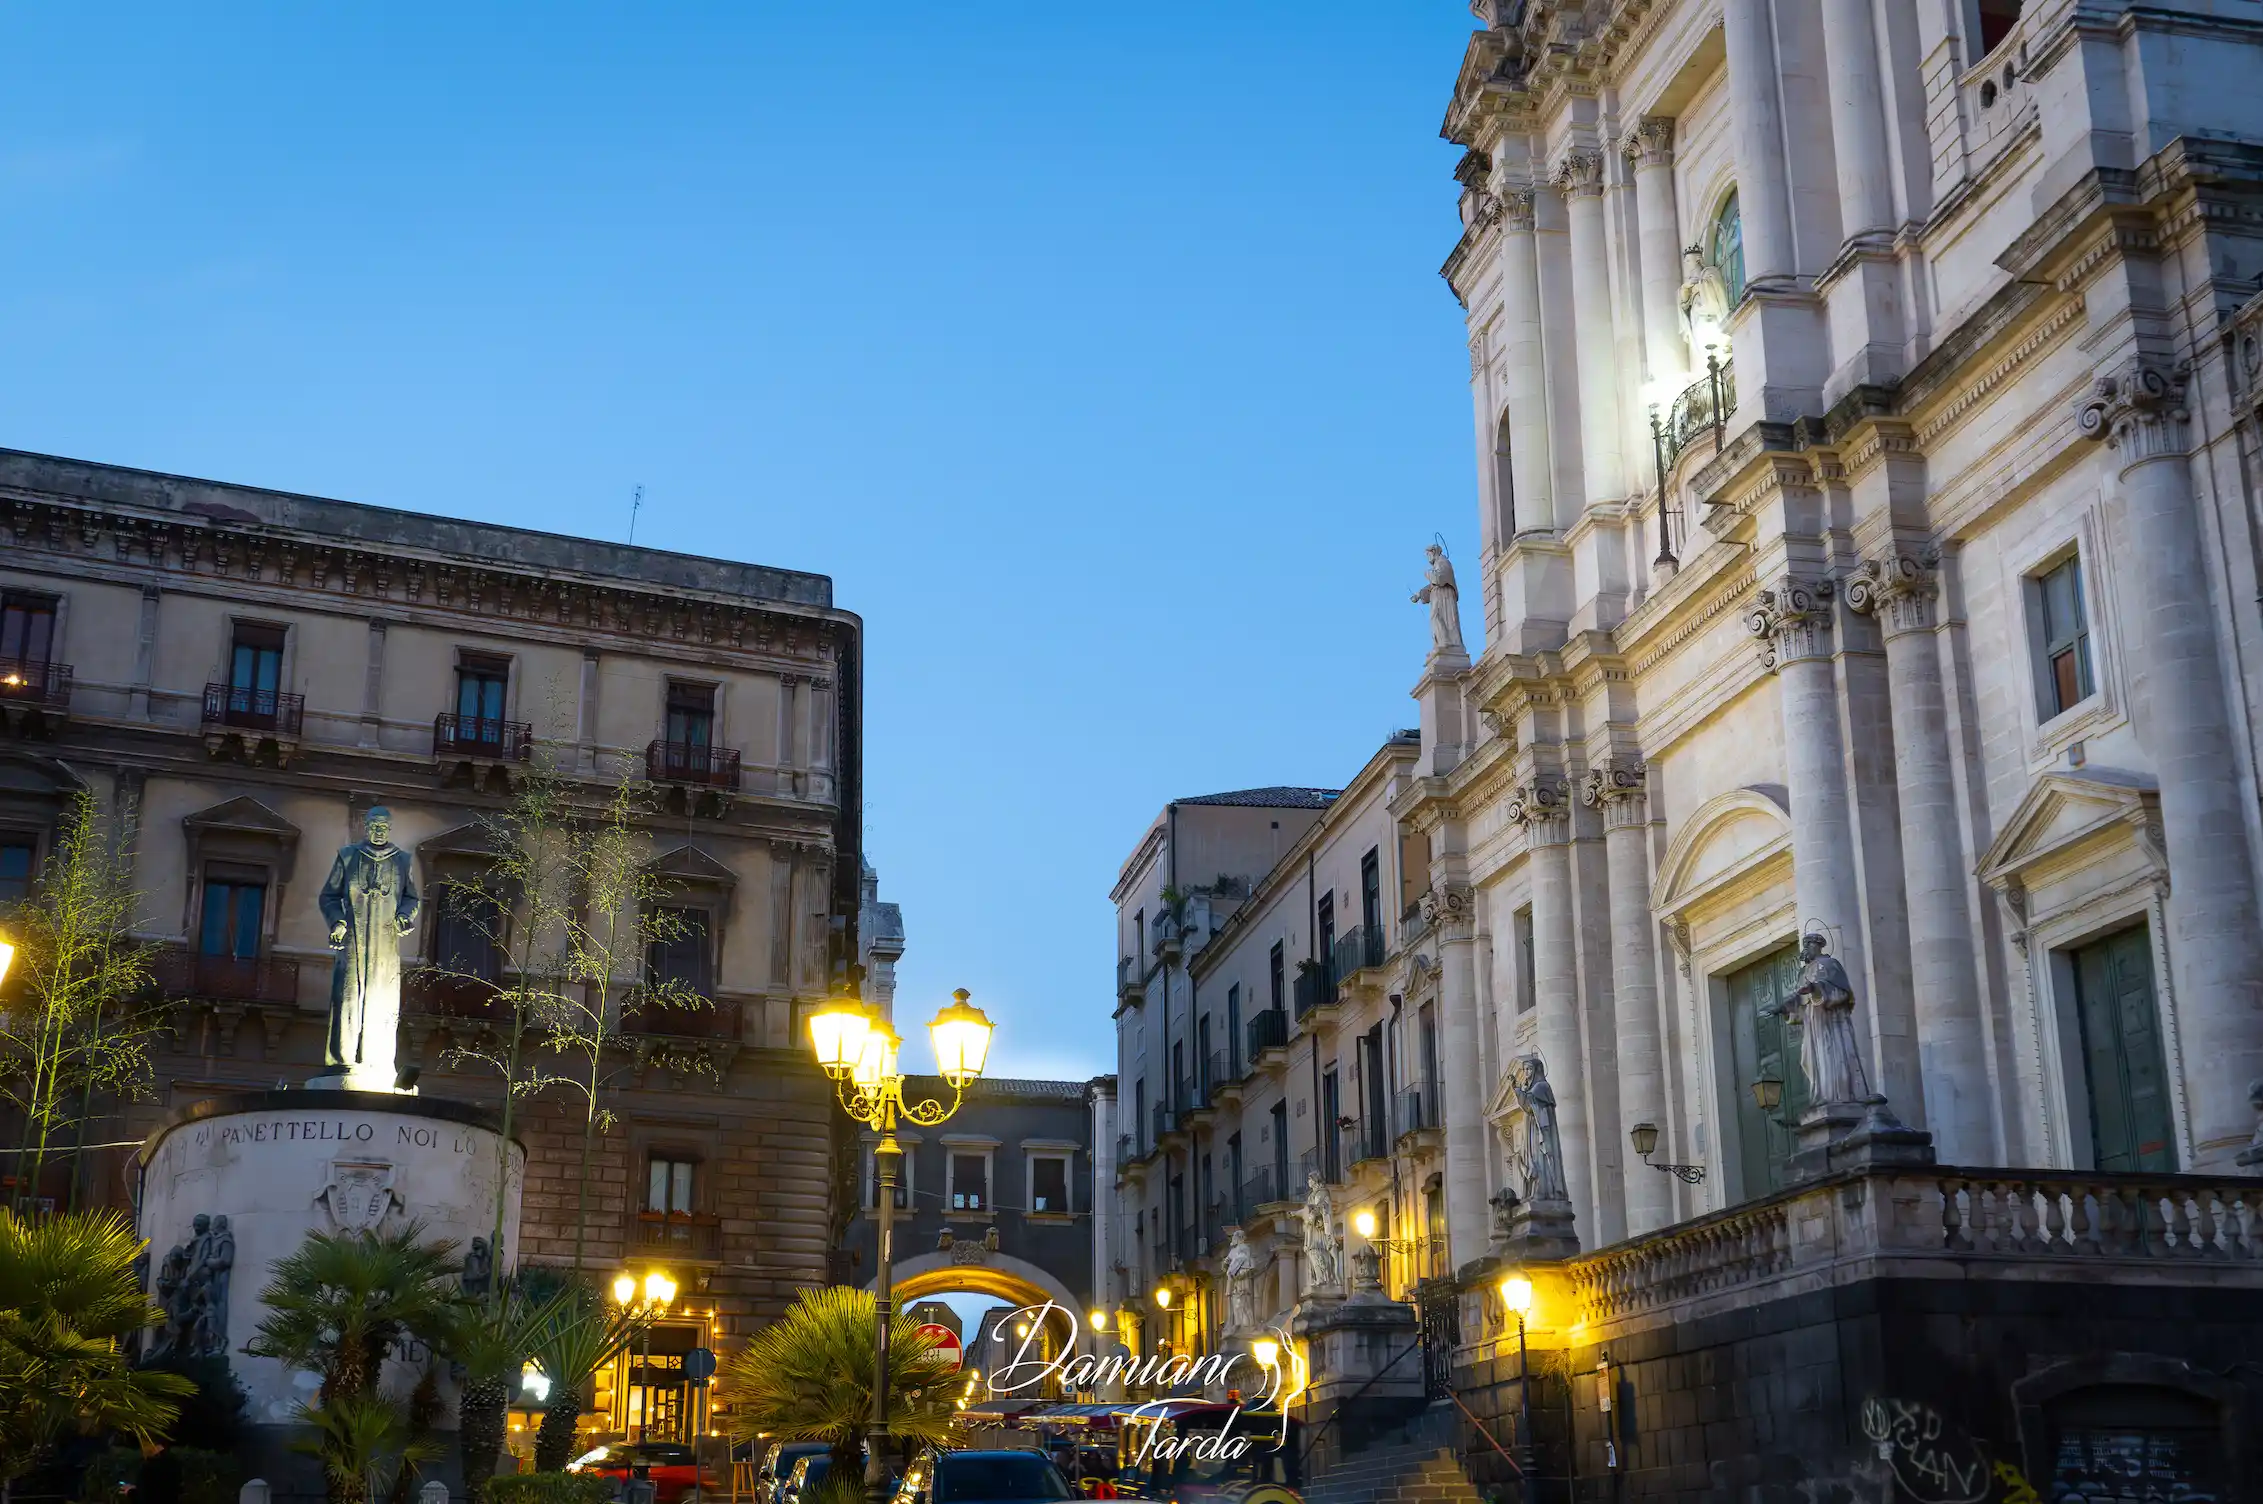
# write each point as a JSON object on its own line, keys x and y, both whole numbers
{"x": 1327, "y": 1160}
{"x": 482, "y": 738}
{"x": 1704, "y": 407}
{"x": 182, "y": 974}
{"x": 1269, "y": 1030}
{"x": 1217, "y": 1080}
{"x": 449, "y": 994}
{"x": 1356, "y": 950}
{"x": 692, "y": 765}
{"x": 240, "y": 707}
{"x": 41, "y": 685}
{"x": 1416, "y": 1109}
{"x": 1252, "y": 1194}
{"x": 685, "y": 1237}
{"x": 697, "y": 1018}
{"x": 1314, "y": 988}
{"x": 1131, "y": 981}
{"x": 1363, "y": 1139}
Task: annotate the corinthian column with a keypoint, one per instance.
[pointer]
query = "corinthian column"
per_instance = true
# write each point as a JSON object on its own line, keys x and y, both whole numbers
{"x": 1525, "y": 379}
{"x": 1650, "y": 146}
{"x": 1763, "y": 180}
{"x": 1468, "y": 1217}
{"x": 1542, "y": 805}
{"x": 1900, "y": 590}
{"x": 1580, "y": 175}
{"x": 1617, "y": 787}
{"x": 1793, "y": 617}
{"x": 1858, "y": 117}
{"x": 2215, "y": 938}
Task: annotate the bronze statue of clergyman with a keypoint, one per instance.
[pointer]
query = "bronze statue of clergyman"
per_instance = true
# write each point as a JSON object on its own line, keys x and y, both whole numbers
{"x": 371, "y": 902}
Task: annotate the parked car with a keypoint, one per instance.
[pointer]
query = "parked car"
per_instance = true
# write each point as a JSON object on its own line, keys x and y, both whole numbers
{"x": 777, "y": 1463}
{"x": 939, "y": 1476}
{"x": 677, "y": 1477}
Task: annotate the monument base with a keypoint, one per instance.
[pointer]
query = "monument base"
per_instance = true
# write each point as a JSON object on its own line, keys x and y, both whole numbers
{"x": 263, "y": 1170}
{"x": 1847, "y": 1136}
{"x": 1536, "y": 1232}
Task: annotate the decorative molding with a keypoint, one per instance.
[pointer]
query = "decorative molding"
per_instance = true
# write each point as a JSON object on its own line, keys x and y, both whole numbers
{"x": 1517, "y": 210}
{"x": 1578, "y": 173}
{"x": 1650, "y": 142}
{"x": 1793, "y": 620}
{"x": 1899, "y": 588}
{"x": 1969, "y": 396}
{"x": 2139, "y": 410}
{"x": 1618, "y": 785}
{"x": 1541, "y": 805}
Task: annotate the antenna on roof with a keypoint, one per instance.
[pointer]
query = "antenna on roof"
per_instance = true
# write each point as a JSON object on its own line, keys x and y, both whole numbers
{"x": 636, "y": 505}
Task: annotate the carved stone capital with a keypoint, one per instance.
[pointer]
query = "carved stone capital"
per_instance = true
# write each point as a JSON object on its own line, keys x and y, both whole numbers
{"x": 1449, "y": 908}
{"x": 1899, "y": 588}
{"x": 2139, "y": 411}
{"x": 1651, "y": 142}
{"x": 1618, "y": 786}
{"x": 1579, "y": 173}
{"x": 1517, "y": 210}
{"x": 1792, "y": 618}
{"x": 1542, "y": 805}
{"x": 1486, "y": 210}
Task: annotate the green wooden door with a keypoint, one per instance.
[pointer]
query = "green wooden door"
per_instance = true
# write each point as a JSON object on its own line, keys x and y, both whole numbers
{"x": 1764, "y": 1047}
{"x": 2127, "y": 1074}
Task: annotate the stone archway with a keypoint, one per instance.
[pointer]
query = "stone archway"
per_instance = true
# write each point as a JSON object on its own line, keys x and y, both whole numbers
{"x": 999, "y": 1275}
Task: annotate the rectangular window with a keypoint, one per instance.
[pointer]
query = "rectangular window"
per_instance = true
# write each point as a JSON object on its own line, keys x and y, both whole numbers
{"x": 27, "y": 628}
{"x": 1328, "y": 936}
{"x": 467, "y": 932}
{"x": 1331, "y": 1133}
{"x": 1277, "y": 975}
{"x": 679, "y": 951}
{"x": 691, "y": 714}
{"x": 1426, "y": 1022}
{"x": 233, "y": 910}
{"x": 2062, "y": 636}
{"x": 1520, "y": 927}
{"x": 1142, "y": 1131}
{"x": 480, "y": 686}
{"x": 872, "y": 1180}
{"x": 255, "y": 667}
{"x": 970, "y": 1182}
{"x": 18, "y": 854}
{"x": 668, "y": 1185}
{"x": 1049, "y": 1184}
{"x": 1371, "y": 900}
{"x": 1281, "y": 1185}
{"x": 1234, "y": 1030}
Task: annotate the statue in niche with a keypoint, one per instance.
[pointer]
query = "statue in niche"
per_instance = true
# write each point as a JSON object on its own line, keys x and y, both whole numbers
{"x": 1821, "y": 1006}
{"x": 1323, "y": 1238}
{"x": 1444, "y": 600}
{"x": 1240, "y": 1269}
{"x": 371, "y": 902}
{"x": 1542, "y": 1152}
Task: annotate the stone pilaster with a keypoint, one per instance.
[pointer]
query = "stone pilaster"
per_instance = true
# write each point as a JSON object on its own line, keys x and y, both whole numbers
{"x": 2215, "y": 939}
{"x": 1618, "y": 787}
{"x": 1524, "y": 370}
{"x": 1542, "y": 806}
{"x": 1453, "y": 913}
{"x": 1650, "y": 148}
{"x": 1579, "y": 174}
{"x": 1901, "y": 590}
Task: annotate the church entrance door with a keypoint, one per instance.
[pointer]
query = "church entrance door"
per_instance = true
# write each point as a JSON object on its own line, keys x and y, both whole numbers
{"x": 1764, "y": 1048}
{"x": 2121, "y": 1053}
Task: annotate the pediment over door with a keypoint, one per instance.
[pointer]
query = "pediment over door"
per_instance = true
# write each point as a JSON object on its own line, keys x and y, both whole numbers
{"x": 2070, "y": 824}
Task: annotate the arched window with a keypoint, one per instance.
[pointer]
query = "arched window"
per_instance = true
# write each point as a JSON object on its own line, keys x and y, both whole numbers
{"x": 1504, "y": 486}
{"x": 1725, "y": 251}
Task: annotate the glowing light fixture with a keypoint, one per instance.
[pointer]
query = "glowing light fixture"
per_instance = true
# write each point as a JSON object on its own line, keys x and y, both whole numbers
{"x": 1363, "y": 1221}
{"x": 535, "y": 1384}
{"x": 838, "y": 1031}
{"x": 961, "y": 1036}
{"x": 1099, "y": 1320}
{"x": 659, "y": 1290}
{"x": 624, "y": 1289}
{"x": 7, "y": 955}
{"x": 1266, "y": 1351}
{"x": 1516, "y": 1294}
{"x": 1163, "y": 1296}
{"x": 876, "y": 1062}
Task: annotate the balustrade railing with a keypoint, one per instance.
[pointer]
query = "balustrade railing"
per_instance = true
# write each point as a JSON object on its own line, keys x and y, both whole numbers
{"x": 253, "y": 709}
{"x": 1268, "y": 1030}
{"x": 2057, "y": 1214}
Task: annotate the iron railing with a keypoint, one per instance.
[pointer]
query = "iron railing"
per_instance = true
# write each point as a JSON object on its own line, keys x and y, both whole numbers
{"x": 1214, "y": 1076}
{"x": 25, "y": 681}
{"x": 236, "y": 979}
{"x": 1313, "y": 988}
{"x": 693, "y": 763}
{"x": 693, "y": 1236}
{"x": 652, "y": 1020}
{"x": 1269, "y": 1030}
{"x": 1703, "y": 407}
{"x": 450, "y": 994}
{"x": 1253, "y": 1193}
{"x": 456, "y": 735}
{"x": 250, "y": 709}
{"x": 1357, "y": 949}
{"x": 1417, "y": 1108}
{"x": 1363, "y": 1139}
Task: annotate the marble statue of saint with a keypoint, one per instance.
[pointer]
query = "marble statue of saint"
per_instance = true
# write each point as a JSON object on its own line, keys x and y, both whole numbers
{"x": 1241, "y": 1275}
{"x": 1543, "y": 1148}
{"x": 1323, "y": 1239}
{"x": 1444, "y": 600}
{"x": 1822, "y": 1006}
{"x": 371, "y": 902}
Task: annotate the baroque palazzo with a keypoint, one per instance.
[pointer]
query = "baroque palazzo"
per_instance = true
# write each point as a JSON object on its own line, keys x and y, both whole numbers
{"x": 1867, "y": 397}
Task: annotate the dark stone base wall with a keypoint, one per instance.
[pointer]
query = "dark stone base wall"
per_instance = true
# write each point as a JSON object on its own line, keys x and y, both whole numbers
{"x": 1898, "y": 1390}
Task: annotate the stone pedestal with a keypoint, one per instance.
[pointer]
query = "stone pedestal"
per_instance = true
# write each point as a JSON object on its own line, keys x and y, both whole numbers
{"x": 1361, "y": 1363}
{"x": 1843, "y": 1136}
{"x": 1537, "y": 1231}
{"x": 282, "y": 1164}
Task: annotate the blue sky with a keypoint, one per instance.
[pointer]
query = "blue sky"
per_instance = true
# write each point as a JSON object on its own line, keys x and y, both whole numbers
{"x": 1097, "y": 352}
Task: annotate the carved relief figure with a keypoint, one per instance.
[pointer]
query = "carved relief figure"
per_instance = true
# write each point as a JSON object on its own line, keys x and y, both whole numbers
{"x": 1323, "y": 1239}
{"x": 1542, "y": 1151}
{"x": 1444, "y": 599}
{"x": 1822, "y": 1006}
{"x": 370, "y": 901}
{"x": 212, "y": 1279}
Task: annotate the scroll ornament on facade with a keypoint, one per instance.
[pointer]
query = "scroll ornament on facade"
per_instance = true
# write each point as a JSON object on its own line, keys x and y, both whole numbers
{"x": 1792, "y": 619}
{"x": 2139, "y": 410}
{"x": 1899, "y": 589}
{"x": 1617, "y": 786}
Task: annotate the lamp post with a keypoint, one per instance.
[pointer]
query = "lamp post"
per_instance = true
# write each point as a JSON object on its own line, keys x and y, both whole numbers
{"x": 858, "y": 1050}
{"x": 1516, "y": 1294}
{"x": 1645, "y": 1136}
{"x": 658, "y": 1293}
{"x": 7, "y": 955}
{"x": 1654, "y": 396}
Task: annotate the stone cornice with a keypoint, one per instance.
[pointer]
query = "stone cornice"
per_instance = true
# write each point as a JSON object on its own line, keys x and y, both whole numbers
{"x": 1730, "y": 589}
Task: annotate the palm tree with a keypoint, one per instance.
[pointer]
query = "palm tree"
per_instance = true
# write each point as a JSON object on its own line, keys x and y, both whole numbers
{"x": 68, "y": 1299}
{"x": 808, "y": 1377}
{"x": 494, "y": 1340}
{"x": 341, "y": 1301}
{"x": 578, "y": 1335}
{"x": 366, "y": 1444}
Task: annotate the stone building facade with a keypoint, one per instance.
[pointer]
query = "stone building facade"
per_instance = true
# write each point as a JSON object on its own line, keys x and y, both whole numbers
{"x": 246, "y": 672}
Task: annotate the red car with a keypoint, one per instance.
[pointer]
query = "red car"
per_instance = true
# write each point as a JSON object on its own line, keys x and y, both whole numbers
{"x": 677, "y": 1477}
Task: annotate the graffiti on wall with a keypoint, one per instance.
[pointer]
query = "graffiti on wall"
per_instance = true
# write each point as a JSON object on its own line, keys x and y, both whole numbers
{"x": 1935, "y": 1462}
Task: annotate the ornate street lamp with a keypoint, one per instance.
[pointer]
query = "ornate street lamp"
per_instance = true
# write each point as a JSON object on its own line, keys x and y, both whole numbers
{"x": 7, "y": 954}
{"x": 857, "y": 1048}
{"x": 658, "y": 1294}
{"x": 1645, "y": 1136}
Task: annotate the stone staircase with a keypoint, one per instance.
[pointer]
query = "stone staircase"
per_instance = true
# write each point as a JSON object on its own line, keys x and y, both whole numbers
{"x": 1416, "y": 1465}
